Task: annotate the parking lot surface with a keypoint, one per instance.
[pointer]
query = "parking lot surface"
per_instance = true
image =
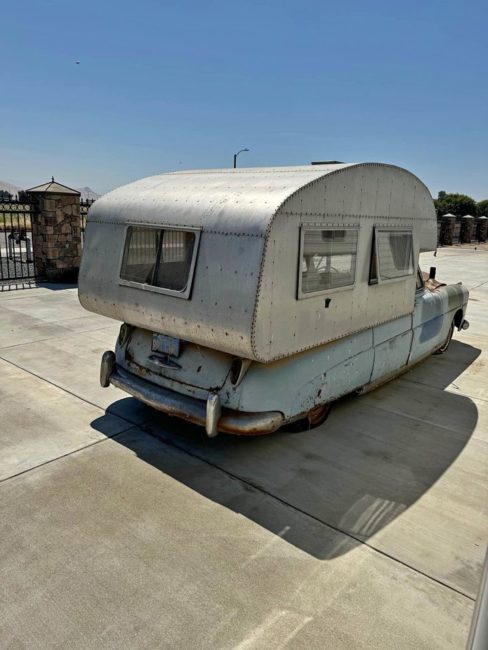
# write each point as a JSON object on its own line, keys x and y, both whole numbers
{"x": 121, "y": 527}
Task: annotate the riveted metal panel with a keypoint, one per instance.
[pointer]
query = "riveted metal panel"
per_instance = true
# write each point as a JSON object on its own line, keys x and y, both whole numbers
{"x": 237, "y": 201}
{"x": 219, "y": 313}
{"x": 367, "y": 196}
{"x": 244, "y": 301}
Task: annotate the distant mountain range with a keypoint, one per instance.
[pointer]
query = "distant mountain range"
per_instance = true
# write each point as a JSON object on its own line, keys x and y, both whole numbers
{"x": 86, "y": 192}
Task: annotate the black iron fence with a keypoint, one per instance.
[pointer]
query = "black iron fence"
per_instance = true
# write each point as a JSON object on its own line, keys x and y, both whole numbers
{"x": 84, "y": 207}
{"x": 16, "y": 244}
{"x": 16, "y": 251}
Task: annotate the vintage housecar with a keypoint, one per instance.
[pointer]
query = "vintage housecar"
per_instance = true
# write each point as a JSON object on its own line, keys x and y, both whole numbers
{"x": 253, "y": 298}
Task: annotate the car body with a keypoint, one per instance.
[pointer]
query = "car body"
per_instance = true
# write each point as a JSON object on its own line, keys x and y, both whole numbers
{"x": 253, "y": 298}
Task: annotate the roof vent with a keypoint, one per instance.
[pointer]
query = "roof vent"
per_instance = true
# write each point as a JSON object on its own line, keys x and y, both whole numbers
{"x": 327, "y": 162}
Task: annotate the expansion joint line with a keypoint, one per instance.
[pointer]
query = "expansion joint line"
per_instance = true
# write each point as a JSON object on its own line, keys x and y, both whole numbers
{"x": 235, "y": 477}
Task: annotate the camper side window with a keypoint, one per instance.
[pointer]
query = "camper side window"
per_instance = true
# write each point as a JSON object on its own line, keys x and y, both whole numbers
{"x": 160, "y": 259}
{"x": 328, "y": 259}
{"x": 394, "y": 250}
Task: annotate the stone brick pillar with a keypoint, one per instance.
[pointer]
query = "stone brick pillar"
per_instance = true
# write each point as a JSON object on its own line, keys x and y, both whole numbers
{"x": 448, "y": 223}
{"x": 467, "y": 226}
{"x": 56, "y": 232}
{"x": 482, "y": 229}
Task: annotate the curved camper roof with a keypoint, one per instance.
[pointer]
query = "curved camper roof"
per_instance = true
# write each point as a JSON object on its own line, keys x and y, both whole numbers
{"x": 242, "y": 214}
{"x": 242, "y": 200}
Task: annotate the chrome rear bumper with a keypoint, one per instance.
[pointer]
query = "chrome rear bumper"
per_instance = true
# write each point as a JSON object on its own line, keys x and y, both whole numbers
{"x": 208, "y": 414}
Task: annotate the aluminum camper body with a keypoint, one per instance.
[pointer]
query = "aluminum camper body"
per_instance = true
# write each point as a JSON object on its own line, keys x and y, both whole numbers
{"x": 252, "y": 297}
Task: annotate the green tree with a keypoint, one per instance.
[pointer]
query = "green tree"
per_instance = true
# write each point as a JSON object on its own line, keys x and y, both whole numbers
{"x": 458, "y": 204}
{"x": 483, "y": 208}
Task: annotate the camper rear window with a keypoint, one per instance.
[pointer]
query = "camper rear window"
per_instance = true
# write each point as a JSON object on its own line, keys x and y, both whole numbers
{"x": 328, "y": 259}
{"x": 394, "y": 254}
{"x": 160, "y": 259}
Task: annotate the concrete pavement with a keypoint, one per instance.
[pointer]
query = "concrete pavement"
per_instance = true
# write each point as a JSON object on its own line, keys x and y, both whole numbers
{"x": 120, "y": 527}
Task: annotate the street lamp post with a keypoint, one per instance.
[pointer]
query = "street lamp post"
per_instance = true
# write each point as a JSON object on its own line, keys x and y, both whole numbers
{"x": 235, "y": 156}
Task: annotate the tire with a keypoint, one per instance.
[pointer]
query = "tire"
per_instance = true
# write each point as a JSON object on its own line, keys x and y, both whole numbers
{"x": 314, "y": 418}
{"x": 447, "y": 342}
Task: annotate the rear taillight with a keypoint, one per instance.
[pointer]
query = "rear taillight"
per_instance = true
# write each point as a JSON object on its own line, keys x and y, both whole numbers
{"x": 235, "y": 371}
{"x": 238, "y": 369}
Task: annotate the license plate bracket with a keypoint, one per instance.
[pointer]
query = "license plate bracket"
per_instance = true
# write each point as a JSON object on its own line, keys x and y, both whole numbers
{"x": 166, "y": 345}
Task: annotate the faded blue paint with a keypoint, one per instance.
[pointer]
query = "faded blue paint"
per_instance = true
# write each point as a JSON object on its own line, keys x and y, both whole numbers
{"x": 297, "y": 383}
{"x": 391, "y": 355}
{"x": 432, "y": 318}
{"x": 429, "y": 305}
{"x": 431, "y": 329}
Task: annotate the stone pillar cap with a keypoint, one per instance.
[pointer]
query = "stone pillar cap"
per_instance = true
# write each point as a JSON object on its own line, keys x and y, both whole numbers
{"x": 53, "y": 187}
{"x": 448, "y": 215}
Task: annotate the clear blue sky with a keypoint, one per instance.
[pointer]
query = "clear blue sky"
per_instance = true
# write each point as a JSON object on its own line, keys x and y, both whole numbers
{"x": 165, "y": 85}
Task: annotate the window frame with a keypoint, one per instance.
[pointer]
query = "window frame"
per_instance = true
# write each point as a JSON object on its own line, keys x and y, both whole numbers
{"x": 301, "y": 295}
{"x": 184, "y": 293}
{"x": 375, "y": 250}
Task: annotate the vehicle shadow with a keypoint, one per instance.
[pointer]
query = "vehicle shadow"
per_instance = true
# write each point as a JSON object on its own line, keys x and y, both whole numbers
{"x": 17, "y": 284}
{"x": 373, "y": 458}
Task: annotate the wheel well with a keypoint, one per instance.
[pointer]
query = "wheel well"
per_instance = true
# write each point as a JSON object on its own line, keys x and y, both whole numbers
{"x": 458, "y": 318}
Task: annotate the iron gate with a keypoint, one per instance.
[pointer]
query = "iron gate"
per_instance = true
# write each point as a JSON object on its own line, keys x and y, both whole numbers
{"x": 16, "y": 251}
{"x": 84, "y": 207}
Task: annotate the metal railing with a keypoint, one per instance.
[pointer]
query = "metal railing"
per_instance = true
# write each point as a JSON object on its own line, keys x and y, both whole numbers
{"x": 17, "y": 255}
{"x": 84, "y": 207}
{"x": 16, "y": 250}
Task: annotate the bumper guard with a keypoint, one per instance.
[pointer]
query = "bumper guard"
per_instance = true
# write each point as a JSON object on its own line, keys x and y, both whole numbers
{"x": 209, "y": 414}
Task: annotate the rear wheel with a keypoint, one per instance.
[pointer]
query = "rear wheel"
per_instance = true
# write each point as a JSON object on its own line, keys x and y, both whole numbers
{"x": 446, "y": 343}
{"x": 314, "y": 418}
